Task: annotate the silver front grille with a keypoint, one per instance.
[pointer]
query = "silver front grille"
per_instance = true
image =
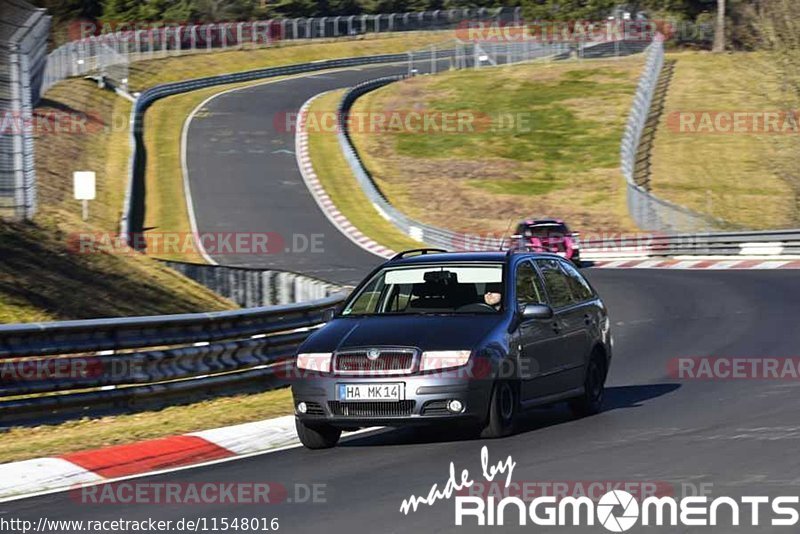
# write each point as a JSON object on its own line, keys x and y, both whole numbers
{"x": 377, "y": 409}
{"x": 388, "y": 361}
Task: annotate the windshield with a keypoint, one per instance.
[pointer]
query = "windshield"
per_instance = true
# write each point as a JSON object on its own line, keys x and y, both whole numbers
{"x": 432, "y": 289}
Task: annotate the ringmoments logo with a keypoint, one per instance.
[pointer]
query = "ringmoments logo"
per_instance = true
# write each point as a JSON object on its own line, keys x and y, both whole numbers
{"x": 616, "y": 510}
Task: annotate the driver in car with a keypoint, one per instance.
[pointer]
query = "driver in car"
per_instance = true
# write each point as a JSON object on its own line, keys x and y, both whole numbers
{"x": 492, "y": 296}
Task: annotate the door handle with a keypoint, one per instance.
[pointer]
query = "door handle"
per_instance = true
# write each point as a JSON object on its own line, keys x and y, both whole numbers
{"x": 556, "y": 328}
{"x": 588, "y": 320}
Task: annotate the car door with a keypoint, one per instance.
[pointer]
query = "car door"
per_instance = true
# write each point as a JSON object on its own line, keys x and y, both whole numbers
{"x": 538, "y": 340}
{"x": 570, "y": 324}
{"x": 585, "y": 313}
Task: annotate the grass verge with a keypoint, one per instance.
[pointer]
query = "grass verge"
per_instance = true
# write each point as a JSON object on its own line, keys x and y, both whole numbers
{"x": 43, "y": 276}
{"x": 731, "y": 176}
{"x": 336, "y": 177}
{"x": 538, "y": 139}
{"x": 20, "y": 443}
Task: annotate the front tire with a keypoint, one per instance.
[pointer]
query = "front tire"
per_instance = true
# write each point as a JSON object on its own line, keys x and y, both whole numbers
{"x": 591, "y": 402}
{"x": 319, "y": 436}
{"x": 503, "y": 408}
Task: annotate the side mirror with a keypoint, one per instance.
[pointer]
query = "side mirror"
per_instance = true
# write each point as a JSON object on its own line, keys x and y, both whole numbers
{"x": 328, "y": 314}
{"x": 537, "y": 311}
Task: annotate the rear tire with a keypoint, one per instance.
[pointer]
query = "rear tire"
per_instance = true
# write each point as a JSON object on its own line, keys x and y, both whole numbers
{"x": 591, "y": 402}
{"x": 503, "y": 409}
{"x": 320, "y": 436}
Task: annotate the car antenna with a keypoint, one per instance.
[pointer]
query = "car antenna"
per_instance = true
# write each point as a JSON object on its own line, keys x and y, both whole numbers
{"x": 505, "y": 235}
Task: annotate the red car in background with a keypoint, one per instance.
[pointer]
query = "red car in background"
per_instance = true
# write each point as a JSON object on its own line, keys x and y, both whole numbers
{"x": 548, "y": 235}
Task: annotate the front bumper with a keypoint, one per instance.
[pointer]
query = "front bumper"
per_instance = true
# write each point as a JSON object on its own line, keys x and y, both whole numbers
{"x": 425, "y": 402}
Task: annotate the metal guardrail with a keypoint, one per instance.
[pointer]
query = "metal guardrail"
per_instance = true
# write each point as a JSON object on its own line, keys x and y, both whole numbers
{"x": 426, "y": 233}
{"x": 773, "y": 243}
{"x": 250, "y": 288}
{"x": 65, "y": 368}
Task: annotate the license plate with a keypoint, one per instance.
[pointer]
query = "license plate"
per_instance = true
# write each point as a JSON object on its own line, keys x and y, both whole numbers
{"x": 372, "y": 392}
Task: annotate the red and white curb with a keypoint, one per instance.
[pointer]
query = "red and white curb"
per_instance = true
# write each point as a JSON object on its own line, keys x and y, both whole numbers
{"x": 322, "y": 199}
{"x": 710, "y": 264}
{"x": 42, "y": 475}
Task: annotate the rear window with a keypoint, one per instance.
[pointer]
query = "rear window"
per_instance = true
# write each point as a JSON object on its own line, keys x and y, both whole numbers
{"x": 544, "y": 230}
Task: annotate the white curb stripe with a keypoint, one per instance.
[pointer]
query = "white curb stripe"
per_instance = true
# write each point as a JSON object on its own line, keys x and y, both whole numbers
{"x": 771, "y": 265}
{"x": 41, "y": 474}
{"x": 253, "y": 437}
{"x": 322, "y": 199}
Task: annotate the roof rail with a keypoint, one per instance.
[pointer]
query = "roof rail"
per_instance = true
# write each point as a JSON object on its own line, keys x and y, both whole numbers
{"x": 421, "y": 251}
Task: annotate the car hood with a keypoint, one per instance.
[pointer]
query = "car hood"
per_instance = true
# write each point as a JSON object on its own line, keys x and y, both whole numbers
{"x": 429, "y": 332}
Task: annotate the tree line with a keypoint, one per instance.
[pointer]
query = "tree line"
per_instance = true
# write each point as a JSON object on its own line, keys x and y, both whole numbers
{"x": 737, "y": 15}
{"x": 233, "y": 10}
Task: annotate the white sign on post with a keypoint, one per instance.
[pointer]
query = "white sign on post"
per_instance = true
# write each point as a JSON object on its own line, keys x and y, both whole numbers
{"x": 84, "y": 183}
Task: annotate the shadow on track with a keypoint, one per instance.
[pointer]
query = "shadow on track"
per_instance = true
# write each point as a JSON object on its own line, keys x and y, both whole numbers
{"x": 619, "y": 397}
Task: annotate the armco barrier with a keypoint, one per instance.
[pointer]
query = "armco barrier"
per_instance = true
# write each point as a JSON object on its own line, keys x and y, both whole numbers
{"x": 133, "y": 209}
{"x": 255, "y": 287}
{"x": 111, "y": 363}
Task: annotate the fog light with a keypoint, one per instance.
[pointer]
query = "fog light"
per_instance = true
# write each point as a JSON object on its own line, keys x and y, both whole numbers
{"x": 302, "y": 408}
{"x": 455, "y": 406}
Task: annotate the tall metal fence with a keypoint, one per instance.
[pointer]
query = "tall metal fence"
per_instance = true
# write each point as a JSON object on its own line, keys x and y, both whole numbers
{"x": 23, "y": 49}
{"x": 91, "y": 53}
{"x": 647, "y": 210}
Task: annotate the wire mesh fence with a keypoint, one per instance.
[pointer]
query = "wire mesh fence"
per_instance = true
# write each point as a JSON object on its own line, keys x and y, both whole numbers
{"x": 23, "y": 49}
{"x": 90, "y": 53}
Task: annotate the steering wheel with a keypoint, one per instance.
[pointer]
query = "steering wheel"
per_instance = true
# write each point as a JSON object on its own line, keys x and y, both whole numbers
{"x": 475, "y": 307}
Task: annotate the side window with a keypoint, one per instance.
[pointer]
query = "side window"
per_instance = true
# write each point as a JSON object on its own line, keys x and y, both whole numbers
{"x": 529, "y": 286}
{"x": 578, "y": 285}
{"x": 556, "y": 282}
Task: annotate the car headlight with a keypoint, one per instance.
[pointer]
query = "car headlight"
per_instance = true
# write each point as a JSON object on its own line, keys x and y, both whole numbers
{"x": 443, "y": 359}
{"x": 315, "y": 361}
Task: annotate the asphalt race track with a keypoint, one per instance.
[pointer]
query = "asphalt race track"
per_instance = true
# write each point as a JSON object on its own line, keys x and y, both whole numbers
{"x": 739, "y": 436}
{"x": 244, "y": 176}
